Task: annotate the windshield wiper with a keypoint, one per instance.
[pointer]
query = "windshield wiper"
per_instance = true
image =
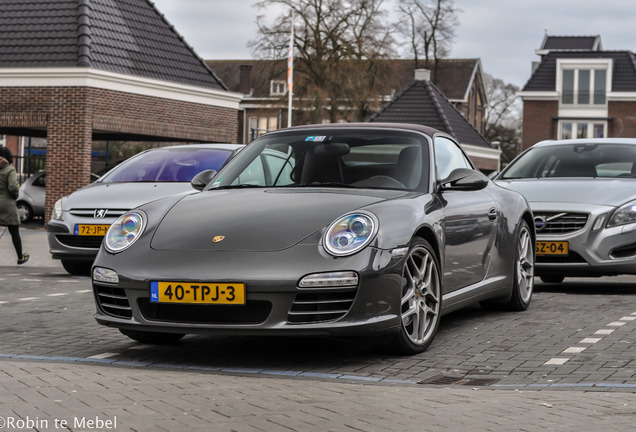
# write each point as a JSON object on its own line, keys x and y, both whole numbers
{"x": 327, "y": 184}
{"x": 238, "y": 186}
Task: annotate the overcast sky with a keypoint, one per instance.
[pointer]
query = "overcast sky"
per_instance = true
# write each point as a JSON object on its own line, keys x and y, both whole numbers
{"x": 502, "y": 33}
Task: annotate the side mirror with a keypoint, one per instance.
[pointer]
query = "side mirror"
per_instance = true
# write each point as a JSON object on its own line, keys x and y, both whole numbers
{"x": 202, "y": 179}
{"x": 464, "y": 179}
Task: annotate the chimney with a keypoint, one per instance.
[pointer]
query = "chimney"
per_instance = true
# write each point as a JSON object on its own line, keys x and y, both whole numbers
{"x": 422, "y": 75}
{"x": 245, "y": 79}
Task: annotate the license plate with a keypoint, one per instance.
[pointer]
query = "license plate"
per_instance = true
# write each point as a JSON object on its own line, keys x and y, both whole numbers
{"x": 552, "y": 248}
{"x": 91, "y": 230}
{"x": 197, "y": 292}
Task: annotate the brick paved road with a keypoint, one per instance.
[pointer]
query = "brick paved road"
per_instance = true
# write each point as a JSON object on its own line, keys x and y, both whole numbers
{"x": 484, "y": 370}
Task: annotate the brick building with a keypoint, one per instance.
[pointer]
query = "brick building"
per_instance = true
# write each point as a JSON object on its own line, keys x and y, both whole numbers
{"x": 75, "y": 71}
{"x": 579, "y": 90}
{"x": 264, "y": 86}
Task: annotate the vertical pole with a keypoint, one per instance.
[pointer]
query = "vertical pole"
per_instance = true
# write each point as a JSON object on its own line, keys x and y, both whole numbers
{"x": 290, "y": 71}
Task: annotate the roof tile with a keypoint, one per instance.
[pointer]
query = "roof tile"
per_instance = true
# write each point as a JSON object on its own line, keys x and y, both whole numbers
{"x": 126, "y": 36}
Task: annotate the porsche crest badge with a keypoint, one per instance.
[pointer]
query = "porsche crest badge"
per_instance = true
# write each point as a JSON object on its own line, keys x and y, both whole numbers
{"x": 217, "y": 239}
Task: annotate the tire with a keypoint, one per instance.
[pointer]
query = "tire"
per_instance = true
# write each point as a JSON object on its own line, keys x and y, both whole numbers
{"x": 421, "y": 299}
{"x": 523, "y": 274}
{"x": 523, "y": 279}
{"x": 77, "y": 268}
{"x": 155, "y": 338}
{"x": 552, "y": 279}
{"x": 24, "y": 211}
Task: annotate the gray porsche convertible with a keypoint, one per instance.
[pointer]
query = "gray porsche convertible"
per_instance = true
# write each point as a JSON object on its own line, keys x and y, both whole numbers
{"x": 329, "y": 230}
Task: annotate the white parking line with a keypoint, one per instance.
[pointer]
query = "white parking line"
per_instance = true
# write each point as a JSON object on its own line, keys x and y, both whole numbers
{"x": 574, "y": 350}
{"x": 56, "y": 294}
{"x": 103, "y": 355}
{"x": 557, "y": 361}
{"x": 616, "y": 324}
{"x": 27, "y": 298}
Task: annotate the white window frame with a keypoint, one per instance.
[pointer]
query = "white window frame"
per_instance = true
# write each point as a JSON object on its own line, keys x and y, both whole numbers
{"x": 575, "y": 123}
{"x": 277, "y": 88}
{"x": 599, "y": 110}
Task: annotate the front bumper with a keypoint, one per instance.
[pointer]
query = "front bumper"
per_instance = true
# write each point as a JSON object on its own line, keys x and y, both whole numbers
{"x": 275, "y": 303}
{"x": 63, "y": 244}
{"x": 592, "y": 252}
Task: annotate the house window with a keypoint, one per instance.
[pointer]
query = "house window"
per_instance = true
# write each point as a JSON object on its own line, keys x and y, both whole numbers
{"x": 260, "y": 125}
{"x": 582, "y": 129}
{"x": 583, "y": 86}
{"x": 277, "y": 88}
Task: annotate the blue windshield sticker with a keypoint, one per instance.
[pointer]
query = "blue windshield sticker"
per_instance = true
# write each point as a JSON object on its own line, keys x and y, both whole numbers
{"x": 315, "y": 138}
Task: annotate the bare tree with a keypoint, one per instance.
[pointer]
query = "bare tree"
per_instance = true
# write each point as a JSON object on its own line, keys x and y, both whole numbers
{"x": 337, "y": 44}
{"x": 503, "y": 116}
{"x": 430, "y": 28}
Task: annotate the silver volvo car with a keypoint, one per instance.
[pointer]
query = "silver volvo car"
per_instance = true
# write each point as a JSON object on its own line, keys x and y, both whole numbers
{"x": 80, "y": 220}
{"x": 583, "y": 196}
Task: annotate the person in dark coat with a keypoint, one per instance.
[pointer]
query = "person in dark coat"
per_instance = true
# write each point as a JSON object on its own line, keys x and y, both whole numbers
{"x": 9, "y": 190}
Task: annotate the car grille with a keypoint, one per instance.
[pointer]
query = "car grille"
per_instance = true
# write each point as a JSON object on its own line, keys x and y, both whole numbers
{"x": 253, "y": 312}
{"x": 90, "y": 213}
{"x": 113, "y": 301}
{"x": 91, "y": 242}
{"x": 320, "y": 306}
{"x": 559, "y": 223}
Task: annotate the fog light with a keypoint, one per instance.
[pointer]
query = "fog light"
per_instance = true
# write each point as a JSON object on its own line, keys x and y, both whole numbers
{"x": 335, "y": 279}
{"x": 101, "y": 274}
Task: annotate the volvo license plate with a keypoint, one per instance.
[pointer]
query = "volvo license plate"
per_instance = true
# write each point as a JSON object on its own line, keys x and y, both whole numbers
{"x": 553, "y": 248}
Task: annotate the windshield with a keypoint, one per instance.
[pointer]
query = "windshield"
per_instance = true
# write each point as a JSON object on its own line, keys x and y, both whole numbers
{"x": 590, "y": 160}
{"x": 357, "y": 158}
{"x": 168, "y": 165}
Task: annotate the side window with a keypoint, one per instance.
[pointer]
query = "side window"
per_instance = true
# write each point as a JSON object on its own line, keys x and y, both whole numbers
{"x": 448, "y": 157}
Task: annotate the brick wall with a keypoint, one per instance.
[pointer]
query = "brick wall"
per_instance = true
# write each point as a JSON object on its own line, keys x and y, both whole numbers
{"x": 539, "y": 122}
{"x": 622, "y": 119}
{"x": 70, "y": 115}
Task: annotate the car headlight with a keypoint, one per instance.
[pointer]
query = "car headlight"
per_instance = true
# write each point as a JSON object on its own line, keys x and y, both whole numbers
{"x": 124, "y": 231}
{"x": 57, "y": 213}
{"x": 350, "y": 233}
{"x": 624, "y": 215}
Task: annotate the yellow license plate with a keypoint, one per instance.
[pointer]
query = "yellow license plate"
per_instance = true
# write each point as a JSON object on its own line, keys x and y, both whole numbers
{"x": 552, "y": 248}
{"x": 197, "y": 292}
{"x": 91, "y": 230}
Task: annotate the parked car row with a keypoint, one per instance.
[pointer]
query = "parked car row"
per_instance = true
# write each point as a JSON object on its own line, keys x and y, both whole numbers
{"x": 358, "y": 230}
{"x": 345, "y": 230}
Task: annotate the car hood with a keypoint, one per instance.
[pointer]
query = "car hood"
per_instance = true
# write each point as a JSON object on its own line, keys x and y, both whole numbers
{"x": 609, "y": 192}
{"x": 123, "y": 195}
{"x": 255, "y": 219}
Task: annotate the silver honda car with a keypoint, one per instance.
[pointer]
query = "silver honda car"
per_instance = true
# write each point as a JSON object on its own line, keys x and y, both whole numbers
{"x": 80, "y": 220}
{"x": 583, "y": 196}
